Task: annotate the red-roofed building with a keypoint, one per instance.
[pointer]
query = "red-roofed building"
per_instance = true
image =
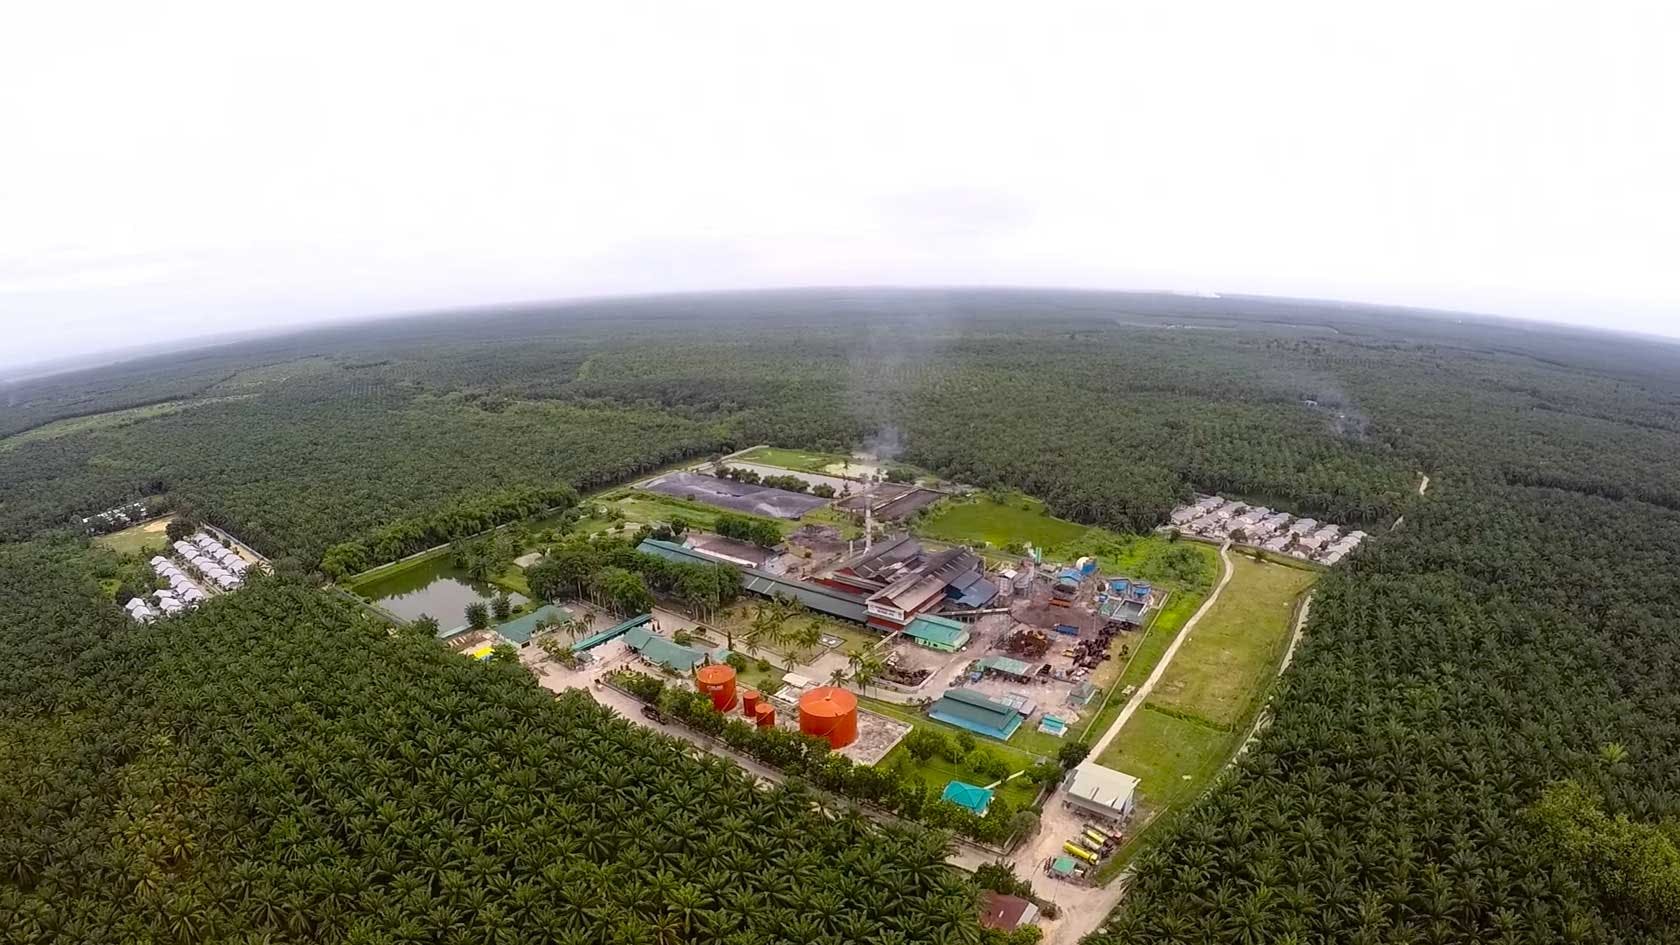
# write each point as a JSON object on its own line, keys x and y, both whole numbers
{"x": 1006, "y": 913}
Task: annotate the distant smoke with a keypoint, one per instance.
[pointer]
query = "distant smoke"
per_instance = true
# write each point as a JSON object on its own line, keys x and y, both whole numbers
{"x": 900, "y": 341}
{"x": 886, "y": 443}
{"x": 1346, "y": 419}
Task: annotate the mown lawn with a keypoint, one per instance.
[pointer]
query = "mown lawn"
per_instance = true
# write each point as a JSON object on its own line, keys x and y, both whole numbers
{"x": 1234, "y": 652}
{"x": 1020, "y": 519}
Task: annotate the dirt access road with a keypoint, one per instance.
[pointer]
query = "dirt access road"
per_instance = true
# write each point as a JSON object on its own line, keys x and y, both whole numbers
{"x": 1084, "y": 908}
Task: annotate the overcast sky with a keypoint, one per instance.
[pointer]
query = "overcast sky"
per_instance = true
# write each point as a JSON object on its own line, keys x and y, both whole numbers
{"x": 173, "y": 169}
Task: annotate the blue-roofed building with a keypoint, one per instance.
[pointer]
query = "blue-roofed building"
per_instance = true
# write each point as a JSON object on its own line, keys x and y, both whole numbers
{"x": 968, "y": 796}
{"x": 971, "y": 591}
{"x": 937, "y": 633}
{"x": 977, "y": 713}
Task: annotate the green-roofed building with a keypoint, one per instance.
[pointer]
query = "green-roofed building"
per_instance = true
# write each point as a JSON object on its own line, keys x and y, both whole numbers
{"x": 937, "y": 633}
{"x": 1005, "y": 665}
{"x": 968, "y": 796}
{"x": 611, "y": 633}
{"x": 977, "y": 713}
{"x": 674, "y": 551}
{"x": 654, "y": 648}
{"x": 518, "y": 631}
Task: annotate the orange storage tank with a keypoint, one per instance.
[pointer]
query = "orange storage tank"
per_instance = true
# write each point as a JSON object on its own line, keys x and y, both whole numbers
{"x": 831, "y": 713}
{"x": 765, "y": 715}
{"x": 749, "y": 702}
{"x": 717, "y": 681}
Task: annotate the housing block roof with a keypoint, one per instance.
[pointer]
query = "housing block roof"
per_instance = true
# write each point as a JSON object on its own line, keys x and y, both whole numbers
{"x": 941, "y": 631}
{"x": 967, "y": 709}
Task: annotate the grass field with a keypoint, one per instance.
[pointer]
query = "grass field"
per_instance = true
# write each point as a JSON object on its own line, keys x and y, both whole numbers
{"x": 1207, "y": 699}
{"x": 1236, "y": 648}
{"x": 800, "y": 460}
{"x": 1020, "y": 519}
{"x": 146, "y": 539}
{"x": 1171, "y": 757}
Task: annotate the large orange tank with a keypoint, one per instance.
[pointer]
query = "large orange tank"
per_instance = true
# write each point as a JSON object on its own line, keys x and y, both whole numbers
{"x": 717, "y": 681}
{"x": 831, "y": 713}
{"x": 765, "y": 715}
{"x": 749, "y": 702}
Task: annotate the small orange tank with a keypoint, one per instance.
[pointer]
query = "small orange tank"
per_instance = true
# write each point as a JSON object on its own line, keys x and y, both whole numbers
{"x": 717, "y": 680}
{"x": 749, "y": 702}
{"x": 831, "y": 713}
{"x": 765, "y": 715}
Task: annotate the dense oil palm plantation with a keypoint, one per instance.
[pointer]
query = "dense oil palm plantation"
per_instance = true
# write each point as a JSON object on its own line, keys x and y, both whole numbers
{"x": 229, "y": 776}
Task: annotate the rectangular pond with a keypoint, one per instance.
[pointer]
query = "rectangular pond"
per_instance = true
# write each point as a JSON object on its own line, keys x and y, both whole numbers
{"x": 435, "y": 588}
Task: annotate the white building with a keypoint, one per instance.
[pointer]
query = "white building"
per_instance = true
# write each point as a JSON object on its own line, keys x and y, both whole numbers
{"x": 1101, "y": 792}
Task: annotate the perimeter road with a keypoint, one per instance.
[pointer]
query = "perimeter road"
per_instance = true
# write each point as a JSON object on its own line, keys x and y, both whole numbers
{"x": 1148, "y": 686}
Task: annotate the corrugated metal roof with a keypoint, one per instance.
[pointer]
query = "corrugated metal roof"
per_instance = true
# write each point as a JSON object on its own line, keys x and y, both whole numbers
{"x": 1004, "y": 664}
{"x": 617, "y": 630}
{"x": 975, "y": 712}
{"x": 654, "y": 648}
{"x": 937, "y": 630}
{"x": 675, "y": 552}
{"x": 1102, "y": 786}
{"x": 978, "y": 594}
{"x": 816, "y": 597}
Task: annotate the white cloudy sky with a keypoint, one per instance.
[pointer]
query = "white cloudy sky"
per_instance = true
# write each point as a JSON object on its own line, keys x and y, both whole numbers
{"x": 171, "y": 169}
